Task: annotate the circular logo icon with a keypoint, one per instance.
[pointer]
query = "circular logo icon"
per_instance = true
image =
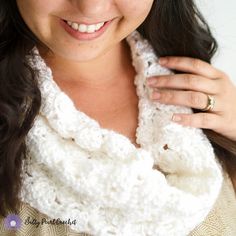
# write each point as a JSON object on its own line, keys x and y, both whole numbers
{"x": 12, "y": 222}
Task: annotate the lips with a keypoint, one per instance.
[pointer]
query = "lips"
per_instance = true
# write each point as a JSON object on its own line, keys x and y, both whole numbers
{"x": 83, "y": 28}
{"x": 84, "y": 36}
{"x": 86, "y": 23}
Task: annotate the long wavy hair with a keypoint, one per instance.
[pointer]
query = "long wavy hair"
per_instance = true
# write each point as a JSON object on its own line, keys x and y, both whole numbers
{"x": 173, "y": 27}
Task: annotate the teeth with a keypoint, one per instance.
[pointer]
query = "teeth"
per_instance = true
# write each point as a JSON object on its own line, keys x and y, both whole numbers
{"x": 82, "y": 28}
{"x": 85, "y": 28}
{"x": 91, "y": 28}
{"x": 69, "y": 22}
{"x": 75, "y": 26}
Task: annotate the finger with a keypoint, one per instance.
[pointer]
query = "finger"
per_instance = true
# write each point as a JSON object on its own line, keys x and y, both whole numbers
{"x": 186, "y": 81}
{"x": 191, "y": 99}
{"x": 192, "y": 65}
{"x": 199, "y": 120}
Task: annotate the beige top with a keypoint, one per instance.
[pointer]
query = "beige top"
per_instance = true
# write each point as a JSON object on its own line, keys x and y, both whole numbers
{"x": 221, "y": 221}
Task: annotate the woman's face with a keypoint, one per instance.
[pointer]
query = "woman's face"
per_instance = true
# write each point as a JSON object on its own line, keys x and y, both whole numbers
{"x": 44, "y": 18}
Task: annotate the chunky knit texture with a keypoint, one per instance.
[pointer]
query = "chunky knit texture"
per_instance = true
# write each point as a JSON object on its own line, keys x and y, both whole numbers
{"x": 77, "y": 169}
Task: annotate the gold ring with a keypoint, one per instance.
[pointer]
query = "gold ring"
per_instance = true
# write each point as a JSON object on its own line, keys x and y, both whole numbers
{"x": 210, "y": 103}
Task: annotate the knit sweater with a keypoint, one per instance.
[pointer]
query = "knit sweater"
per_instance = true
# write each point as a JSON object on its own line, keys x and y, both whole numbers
{"x": 221, "y": 221}
{"x": 193, "y": 179}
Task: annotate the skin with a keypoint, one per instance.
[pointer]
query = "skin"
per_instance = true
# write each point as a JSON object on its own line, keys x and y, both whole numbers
{"x": 190, "y": 89}
{"x": 81, "y": 60}
{"x": 78, "y": 66}
{"x": 74, "y": 63}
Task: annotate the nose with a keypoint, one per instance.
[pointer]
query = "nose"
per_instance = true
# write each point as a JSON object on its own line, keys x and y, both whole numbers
{"x": 92, "y": 8}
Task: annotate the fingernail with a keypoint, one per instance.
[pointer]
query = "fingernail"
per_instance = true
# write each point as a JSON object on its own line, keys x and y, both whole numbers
{"x": 176, "y": 118}
{"x": 151, "y": 81}
{"x": 156, "y": 95}
{"x": 163, "y": 60}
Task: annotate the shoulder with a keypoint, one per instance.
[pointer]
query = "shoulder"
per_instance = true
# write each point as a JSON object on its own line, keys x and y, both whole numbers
{"x": 221, "y": 221}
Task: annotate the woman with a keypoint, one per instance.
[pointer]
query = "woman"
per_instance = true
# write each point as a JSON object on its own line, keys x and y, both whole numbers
{"x": 82, "y": 141}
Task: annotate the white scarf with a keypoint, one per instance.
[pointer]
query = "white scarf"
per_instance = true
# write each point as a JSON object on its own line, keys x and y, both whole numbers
{"x": 76, "y": 169}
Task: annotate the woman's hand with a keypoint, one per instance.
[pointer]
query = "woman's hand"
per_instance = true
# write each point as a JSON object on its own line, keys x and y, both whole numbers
{"x": 191, "y": 90}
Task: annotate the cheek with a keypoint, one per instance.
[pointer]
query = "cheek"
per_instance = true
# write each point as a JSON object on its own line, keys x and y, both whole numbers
{"x": 36, "y": 12}
{"x": 136, "y": 9}
{"x": 32, "y": 8}
{"x": 38, "y": 15}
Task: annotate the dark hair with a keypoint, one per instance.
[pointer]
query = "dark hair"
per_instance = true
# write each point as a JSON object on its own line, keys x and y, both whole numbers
{"x": 173, "y": 28}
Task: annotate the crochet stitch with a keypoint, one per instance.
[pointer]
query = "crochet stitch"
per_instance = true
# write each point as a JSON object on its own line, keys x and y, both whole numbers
{"x": 77, "y": 169}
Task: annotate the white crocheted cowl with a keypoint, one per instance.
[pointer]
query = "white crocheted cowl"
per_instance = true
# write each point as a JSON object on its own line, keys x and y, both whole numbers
{"x": 76, "y": 169}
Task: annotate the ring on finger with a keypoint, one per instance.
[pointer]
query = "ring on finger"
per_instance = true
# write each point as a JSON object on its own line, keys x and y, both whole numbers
{"x": 210, "y": 103}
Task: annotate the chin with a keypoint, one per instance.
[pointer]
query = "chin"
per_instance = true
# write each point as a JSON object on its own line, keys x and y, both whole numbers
{"x": 79, "y": 55}
{"x": 82, "y": 57}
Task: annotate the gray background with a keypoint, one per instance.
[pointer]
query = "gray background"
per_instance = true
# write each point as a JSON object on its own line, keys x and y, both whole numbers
{"x": 221, "y": 16}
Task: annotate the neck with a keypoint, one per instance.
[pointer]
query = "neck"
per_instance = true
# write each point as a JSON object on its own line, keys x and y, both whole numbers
{"x": 103, "y": 72}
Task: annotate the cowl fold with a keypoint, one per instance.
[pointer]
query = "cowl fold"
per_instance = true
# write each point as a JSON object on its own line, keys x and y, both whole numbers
{"x": 76, "y": 169}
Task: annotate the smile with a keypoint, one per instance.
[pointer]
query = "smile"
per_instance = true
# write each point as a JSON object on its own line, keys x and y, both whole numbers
{"x": 85, "y": 31}
{"x": 85, "y": 28}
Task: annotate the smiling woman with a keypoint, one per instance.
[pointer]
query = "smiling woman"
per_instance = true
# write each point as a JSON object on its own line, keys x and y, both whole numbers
{"x": 45, "y": 19}
{"x": 82, "y": 141}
